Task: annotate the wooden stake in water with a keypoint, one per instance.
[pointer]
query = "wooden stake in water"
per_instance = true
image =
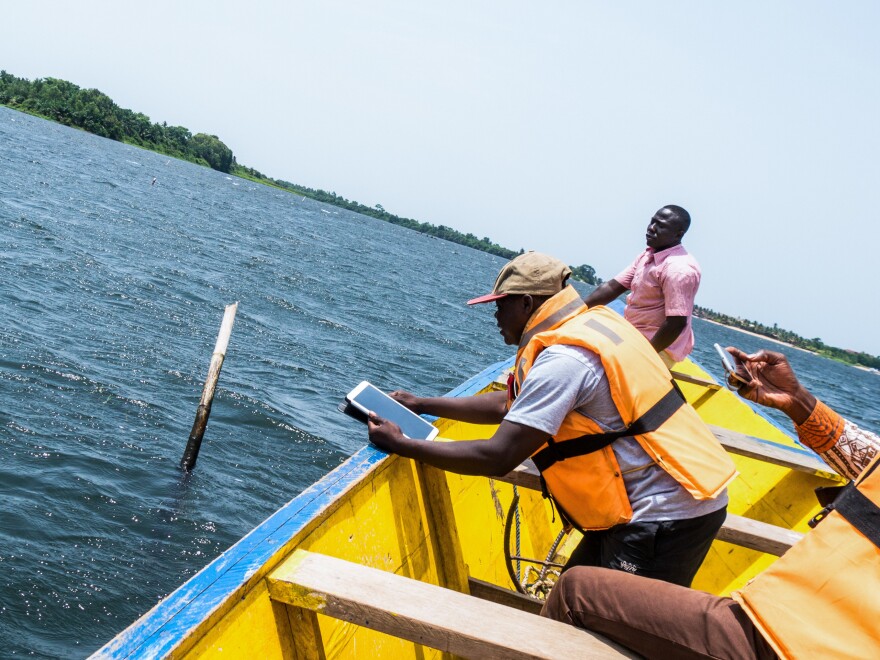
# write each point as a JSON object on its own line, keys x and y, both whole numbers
{"x": 194, "y": 443}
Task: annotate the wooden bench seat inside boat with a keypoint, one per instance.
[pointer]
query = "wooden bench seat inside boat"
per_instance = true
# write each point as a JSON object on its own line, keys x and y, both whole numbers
{"x": 745, "y": 532}
{"x": 426, "y": 614}
{"x": 746, "y": 445}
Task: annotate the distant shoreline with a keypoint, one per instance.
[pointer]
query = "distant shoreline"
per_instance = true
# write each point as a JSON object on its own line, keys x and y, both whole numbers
{"x": 760, "y": 336}
{"x": 92, "y": 111}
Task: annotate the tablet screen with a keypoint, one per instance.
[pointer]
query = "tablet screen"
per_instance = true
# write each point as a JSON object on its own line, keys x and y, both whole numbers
{"x": 369, "y": 398}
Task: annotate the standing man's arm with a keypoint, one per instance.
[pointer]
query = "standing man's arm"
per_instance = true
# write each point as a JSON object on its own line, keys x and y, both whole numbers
{"x": 605, "y": 293}
{"x": 668, "y": 332}
{"x": 679, "y": 285}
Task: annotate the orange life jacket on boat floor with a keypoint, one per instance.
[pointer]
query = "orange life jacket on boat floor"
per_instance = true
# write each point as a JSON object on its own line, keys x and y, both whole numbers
{"x": 578, "y": 465}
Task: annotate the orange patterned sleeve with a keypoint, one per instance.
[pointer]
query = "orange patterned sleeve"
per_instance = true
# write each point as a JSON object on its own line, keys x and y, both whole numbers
{"x": 840, "y": 443}
{"x": 822, "y": 428}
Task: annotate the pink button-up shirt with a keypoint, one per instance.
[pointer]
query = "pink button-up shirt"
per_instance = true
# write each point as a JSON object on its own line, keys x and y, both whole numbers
{"x": 662, "y": 284}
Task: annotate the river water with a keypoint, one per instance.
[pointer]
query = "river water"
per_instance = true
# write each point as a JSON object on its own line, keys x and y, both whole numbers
{"x": 112, "y": 294}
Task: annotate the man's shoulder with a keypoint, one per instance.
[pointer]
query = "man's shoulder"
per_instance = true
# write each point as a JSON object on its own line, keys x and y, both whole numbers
{"x": 678, "y": 259}
{"x": 579, "y": 355}
{"x": 563, "y": 372}
{"x": 564, "y": 362}
{"x": 675, "y": 252}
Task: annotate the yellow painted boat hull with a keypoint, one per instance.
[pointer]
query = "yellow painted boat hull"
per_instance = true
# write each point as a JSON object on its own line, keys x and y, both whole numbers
{"x": 390, "y": 513}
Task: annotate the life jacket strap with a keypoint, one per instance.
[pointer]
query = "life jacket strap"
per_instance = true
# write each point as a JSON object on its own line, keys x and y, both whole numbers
{"x": 592, "y": 442}
{"x": 857, "y": 509}
{"x": 554, "y": 505}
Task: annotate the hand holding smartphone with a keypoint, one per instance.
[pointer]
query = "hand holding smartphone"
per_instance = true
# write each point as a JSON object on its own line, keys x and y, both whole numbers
{"x": 732, "y": 367}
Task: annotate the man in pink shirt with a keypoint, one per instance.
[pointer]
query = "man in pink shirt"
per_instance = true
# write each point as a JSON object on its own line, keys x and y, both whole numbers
{"x": 663, "y": 281}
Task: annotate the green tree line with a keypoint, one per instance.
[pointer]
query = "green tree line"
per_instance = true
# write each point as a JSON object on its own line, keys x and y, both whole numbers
{"x": 775, "y": 332}
{"x": 95, "y": 112}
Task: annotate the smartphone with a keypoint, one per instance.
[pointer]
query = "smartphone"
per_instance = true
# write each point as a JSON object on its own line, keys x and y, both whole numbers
{"x": 368, "y": 398}
{"x": 730, "y": 364}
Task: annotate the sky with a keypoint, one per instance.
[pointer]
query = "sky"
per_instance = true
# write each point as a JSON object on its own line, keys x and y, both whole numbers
{"x": 559, "y": 126}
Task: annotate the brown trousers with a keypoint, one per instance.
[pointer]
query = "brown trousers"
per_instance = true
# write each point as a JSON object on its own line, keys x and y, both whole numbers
{"x": 653, "y": 618}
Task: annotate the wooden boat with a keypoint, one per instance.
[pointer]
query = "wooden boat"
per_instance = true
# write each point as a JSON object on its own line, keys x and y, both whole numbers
{"x": 384, "y": 557}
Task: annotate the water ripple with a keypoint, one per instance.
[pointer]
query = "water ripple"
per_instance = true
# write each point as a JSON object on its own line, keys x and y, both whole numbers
{"x": 113, "y": 291}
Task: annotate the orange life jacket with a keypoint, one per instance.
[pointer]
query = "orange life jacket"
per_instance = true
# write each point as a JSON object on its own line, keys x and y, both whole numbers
{"x": 588, "y": 487}
{"x": 821, "y": 599}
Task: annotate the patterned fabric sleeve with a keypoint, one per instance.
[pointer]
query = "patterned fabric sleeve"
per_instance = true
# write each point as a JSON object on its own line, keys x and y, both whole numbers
{"x": 840, "y": 443}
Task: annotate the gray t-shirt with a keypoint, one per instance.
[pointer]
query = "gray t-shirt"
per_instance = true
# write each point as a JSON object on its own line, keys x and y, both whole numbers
{"x": 566, "y": 378}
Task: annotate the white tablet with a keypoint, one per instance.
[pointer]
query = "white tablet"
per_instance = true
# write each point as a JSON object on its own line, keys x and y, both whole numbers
{"x": 368, "y": 398}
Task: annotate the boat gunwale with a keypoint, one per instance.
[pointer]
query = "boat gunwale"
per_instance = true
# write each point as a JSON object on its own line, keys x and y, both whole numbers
{"x": 169, "y": 624}
{"x": 172, "y": 625}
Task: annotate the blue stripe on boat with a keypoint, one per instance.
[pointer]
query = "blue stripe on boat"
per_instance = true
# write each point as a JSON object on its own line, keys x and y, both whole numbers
{"x": 159, "y": 631}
